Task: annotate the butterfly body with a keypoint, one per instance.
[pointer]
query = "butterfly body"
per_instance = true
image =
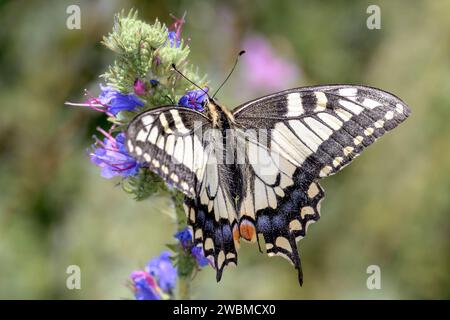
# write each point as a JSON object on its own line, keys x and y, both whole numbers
{"x": 253, "y": 173}
{"x": 221, "y": 117}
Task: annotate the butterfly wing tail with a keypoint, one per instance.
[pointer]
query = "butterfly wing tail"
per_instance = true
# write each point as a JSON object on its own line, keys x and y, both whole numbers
{"x": 284, "y": 226}
{"x": 216, "y": 237}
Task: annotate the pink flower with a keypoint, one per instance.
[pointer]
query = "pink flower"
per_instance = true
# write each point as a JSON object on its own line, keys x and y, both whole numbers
{"x": 145, "y": 286}
{"x": 140, "y": 88}
{"x": 175, "y": 31}
{"x": 263, "y": 69}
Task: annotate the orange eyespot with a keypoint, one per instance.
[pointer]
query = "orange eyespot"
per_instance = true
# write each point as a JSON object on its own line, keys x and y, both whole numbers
{"x": 247, "y": 230}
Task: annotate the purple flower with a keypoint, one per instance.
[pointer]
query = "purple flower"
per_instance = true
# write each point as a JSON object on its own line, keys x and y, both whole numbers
{"x": 112, "y": 156}
{"x": 173, "y": 39}
{"x": 175, "y": 31}
{"x": 263, "y": 70}
{"x": 194, "y": 99}
{"x": 197, "y": 252}
{"x": 145, "y": 286}
{"x": 162, "y": 269}
{"x": 185, "y": 237}
{"x": 140, "y": 87}
{"x": 116, "y": 101}
{"x": 157, "y": 281}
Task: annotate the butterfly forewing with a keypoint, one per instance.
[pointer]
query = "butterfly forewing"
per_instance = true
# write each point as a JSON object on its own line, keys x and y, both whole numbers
{"x": 169, "y": 141}
{"x": 321, "y": 129}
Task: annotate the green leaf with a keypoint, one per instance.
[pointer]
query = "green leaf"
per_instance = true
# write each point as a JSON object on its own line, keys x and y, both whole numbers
{"x": 144, "y": 184}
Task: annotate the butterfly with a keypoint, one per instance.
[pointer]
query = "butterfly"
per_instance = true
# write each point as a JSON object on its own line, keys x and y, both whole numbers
{"x": 253, "y": 173}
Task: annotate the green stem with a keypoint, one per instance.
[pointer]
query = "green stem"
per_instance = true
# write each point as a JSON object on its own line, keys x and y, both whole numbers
{"x": 184, "y": 278}
{"x": 184, "y": 288}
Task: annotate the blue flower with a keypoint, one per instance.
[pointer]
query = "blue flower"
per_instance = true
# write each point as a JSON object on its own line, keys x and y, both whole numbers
{"x": 116, "y": 101}
{"x": 174, "y": 40}
{"x": 157, "y": 281}
{"x": 112, "y": 156}
{"x": 185, "y": 237}
{"x": 194, "y": 99}
{"x": 154, "y": 82}
{"x": 162, "y": 269}
{"x": 197, "y": 252}
{"x": 175, "y": 31}
{"x": 145, "y": 286}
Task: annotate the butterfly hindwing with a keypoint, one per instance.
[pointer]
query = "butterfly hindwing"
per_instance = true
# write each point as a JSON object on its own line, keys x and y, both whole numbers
{"x": 213, "y": 214}
{"x": 284, "y": 226}
{"x": 216, "y": 237}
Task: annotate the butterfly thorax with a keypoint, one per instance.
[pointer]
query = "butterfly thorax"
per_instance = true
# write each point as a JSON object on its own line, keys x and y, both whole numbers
{"x": 220, "y": 115}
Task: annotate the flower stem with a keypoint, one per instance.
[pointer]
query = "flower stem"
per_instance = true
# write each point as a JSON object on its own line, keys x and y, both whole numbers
{"x": 184, "y": 288}
{"x": 184, "y": 274}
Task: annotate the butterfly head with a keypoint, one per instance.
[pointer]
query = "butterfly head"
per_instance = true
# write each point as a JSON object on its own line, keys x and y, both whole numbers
{"x": 218, "y": 113}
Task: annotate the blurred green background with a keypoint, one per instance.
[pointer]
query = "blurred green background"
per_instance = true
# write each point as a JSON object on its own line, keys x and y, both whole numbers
{"x": 389, "y": 208}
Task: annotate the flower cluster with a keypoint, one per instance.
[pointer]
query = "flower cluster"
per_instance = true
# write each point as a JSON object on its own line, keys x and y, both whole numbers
{"x": 158, "y": 280}
{"x": 185, "y": 238}
{"x": 142, "y": 78}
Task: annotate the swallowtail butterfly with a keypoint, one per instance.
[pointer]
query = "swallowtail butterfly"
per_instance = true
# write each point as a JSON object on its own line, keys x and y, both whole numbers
{"x": 253, "y": 172}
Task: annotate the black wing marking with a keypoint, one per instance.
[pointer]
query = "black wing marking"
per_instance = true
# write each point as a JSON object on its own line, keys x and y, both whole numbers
{"x": 170, "y": 141}
{"x": 312, "y": 132}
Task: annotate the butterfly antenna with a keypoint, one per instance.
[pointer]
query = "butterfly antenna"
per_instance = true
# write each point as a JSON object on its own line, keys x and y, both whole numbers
{"x": 190, "y": 81}
{"x": 229, "y": 74}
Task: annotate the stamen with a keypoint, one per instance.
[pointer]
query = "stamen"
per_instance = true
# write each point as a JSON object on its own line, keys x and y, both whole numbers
{"x": 97, "y": 104}
{"x": 98, "y": 141}
{"x": 178, "y": 24}
{"x": 106, "y": 134}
